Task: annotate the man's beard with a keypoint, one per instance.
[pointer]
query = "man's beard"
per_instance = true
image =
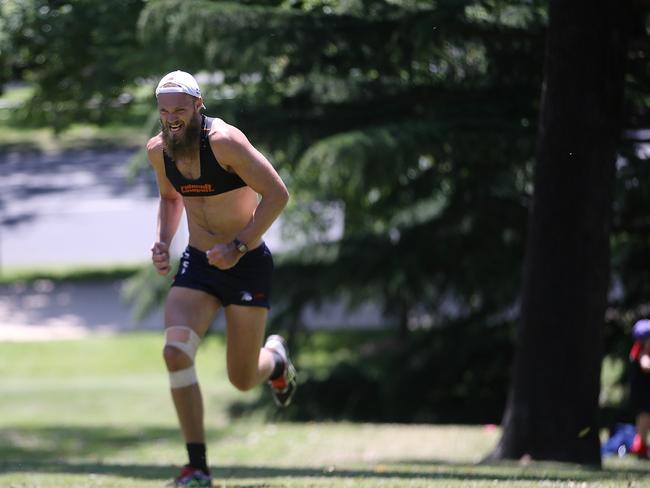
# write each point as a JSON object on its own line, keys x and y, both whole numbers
{"x": 185, "y": 144}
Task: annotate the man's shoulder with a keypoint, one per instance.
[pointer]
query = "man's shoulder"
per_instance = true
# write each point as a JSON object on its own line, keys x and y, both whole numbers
{"x": 155, "y": 151}
{"x": 155, "y": 144}
{"x": 222, "y": 133}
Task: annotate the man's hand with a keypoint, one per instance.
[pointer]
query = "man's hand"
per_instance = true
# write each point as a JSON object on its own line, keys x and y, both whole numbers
{"x": 160, "y": 258}
{"x": 223, "y": 256}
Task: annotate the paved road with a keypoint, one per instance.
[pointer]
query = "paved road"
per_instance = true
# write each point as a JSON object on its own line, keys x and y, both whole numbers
{"x": 79, "y": 208}
{"x": 46, "y": 310}
{"x": 73, "y": 208}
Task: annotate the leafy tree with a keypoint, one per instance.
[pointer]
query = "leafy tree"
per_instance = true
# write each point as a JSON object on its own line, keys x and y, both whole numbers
{"x": 414, "y": 119}
{"x": 416, "y": 122}
{"x": 77, "y": 54}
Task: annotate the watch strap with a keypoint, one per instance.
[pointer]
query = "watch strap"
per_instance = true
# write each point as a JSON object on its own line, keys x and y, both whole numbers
{"x": 240, "y": 246}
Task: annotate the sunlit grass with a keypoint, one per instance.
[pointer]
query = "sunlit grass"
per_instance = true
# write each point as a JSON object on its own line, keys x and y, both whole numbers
{"x": 68, "y": 273}
{"x": 96, "y": 413}
{"x": 77, "y": 136}
{"x": 14, "y": 95}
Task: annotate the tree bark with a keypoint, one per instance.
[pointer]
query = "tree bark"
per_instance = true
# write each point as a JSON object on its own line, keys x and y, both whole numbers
{"x": 552, "y": 409}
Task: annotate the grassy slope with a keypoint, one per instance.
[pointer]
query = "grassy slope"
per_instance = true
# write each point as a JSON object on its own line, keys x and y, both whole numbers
{"x": 69, "y": 273}
{"x": 19, "y": 137}
{"x": 97, "y": 413}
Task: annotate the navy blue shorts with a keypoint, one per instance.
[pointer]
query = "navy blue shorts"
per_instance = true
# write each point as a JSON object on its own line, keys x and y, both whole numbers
{"x": 247, "y": 283}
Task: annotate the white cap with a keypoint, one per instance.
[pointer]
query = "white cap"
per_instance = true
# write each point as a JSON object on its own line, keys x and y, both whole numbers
{"x": 178, "y": 82}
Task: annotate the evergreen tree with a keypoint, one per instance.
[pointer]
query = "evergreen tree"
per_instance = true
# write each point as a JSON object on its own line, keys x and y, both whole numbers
{"x": 415, "y": 120}
{"x": 77, "y": 55}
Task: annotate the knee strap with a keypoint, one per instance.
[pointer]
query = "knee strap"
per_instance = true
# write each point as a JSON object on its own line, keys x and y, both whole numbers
{"x": 186, "y": 340}
{"x": 183, "y": 377}
{"x": 183, "y": 338}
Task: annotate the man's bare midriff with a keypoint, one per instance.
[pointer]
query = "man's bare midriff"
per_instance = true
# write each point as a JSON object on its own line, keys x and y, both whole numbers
{"x": 218, "y": 219}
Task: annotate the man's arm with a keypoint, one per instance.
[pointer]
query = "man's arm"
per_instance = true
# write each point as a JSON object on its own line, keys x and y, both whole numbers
{"x": 170, "y": 209}
{"x": 234, "y": 150}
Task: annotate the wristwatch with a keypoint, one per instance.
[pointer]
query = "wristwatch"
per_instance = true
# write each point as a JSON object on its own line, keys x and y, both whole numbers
{"x": 240, "y": 246}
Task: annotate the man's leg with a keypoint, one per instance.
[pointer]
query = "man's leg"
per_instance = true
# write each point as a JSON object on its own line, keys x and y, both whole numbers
{"x": 248, "y": 363}
{"x": 188, "y": 315}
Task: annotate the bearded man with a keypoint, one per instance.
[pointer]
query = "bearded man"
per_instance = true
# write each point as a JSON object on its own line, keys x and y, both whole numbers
{"x": 231, "y": 195}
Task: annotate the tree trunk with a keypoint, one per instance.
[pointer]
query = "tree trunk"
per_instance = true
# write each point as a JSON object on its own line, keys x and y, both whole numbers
{"x": 552, "y": 410}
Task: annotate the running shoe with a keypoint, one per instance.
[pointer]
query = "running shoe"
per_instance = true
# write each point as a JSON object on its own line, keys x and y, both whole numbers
{"x": 193, "y": 478}
{"x": 284, "y": 387}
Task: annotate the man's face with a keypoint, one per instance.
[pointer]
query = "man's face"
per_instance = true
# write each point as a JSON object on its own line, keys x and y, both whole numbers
{"x": 180, "y": 120}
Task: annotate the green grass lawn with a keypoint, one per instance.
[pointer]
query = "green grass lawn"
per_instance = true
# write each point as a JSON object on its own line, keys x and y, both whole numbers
{"x": 97, "y": 413}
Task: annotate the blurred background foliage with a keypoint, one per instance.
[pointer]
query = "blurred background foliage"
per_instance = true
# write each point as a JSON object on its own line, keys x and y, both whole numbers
{"x": 409, "y": 125}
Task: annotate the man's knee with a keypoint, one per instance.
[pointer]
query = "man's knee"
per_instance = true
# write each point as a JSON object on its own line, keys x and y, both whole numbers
{"x": 175, "y": 358}
{"x": 181, "y": 344}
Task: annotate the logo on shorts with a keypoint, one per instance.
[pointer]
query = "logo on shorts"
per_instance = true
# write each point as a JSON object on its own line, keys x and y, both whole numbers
{"x": 185, "y": 262}
{"x": 246, "y": 296}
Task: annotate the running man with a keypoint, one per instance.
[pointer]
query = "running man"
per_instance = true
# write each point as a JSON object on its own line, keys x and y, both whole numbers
{"x": 231, "y": 195}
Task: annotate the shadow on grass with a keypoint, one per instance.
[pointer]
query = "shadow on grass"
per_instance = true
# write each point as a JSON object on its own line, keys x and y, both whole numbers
{"x": 48, "y": 450}
{"x": 45, "y": 446}
{"x": 535, "y": 470}
{"x": 269, "y": 474}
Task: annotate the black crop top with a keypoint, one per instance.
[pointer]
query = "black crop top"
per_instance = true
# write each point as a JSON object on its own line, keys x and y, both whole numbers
{"x": 214, "y": 180}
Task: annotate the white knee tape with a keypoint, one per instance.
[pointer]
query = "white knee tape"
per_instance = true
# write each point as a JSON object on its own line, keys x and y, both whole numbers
{"x": 183, "y": 377}
{"x": 182, "y": 338}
